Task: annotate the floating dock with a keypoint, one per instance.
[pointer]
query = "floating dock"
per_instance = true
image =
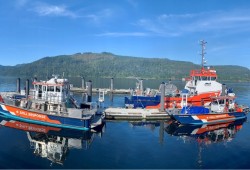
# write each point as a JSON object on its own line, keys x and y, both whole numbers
{"x": 135, "y": 114}
{"x": 139, "y": 113}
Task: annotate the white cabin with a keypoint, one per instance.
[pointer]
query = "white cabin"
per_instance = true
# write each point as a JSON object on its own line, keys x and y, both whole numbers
{"x": 203, "y": 81}
{"x": 223, "y": 104}
{"x": 53, "y": 91}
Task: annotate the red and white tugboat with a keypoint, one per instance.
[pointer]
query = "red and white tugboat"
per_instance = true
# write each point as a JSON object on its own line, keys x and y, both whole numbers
{"x": 200, "y": 86}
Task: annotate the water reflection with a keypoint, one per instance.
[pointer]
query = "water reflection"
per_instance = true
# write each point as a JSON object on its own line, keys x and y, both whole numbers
{"x": 152, "y": 125}
{"x": 53, "y": 143}
{"x": 204, "y": 135}
{"x": 207, "y": 134}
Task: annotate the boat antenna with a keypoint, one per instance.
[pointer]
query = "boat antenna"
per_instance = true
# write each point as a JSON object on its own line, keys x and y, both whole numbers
{"x": 203, "y": 61}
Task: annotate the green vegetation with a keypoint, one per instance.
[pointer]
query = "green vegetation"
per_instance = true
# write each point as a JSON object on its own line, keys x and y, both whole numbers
{"x": 110, "y": 65}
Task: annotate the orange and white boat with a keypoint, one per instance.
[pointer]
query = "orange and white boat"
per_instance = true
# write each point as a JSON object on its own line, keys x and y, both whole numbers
{"x": 200, "y": 86}
{"x": 50, "y": 104}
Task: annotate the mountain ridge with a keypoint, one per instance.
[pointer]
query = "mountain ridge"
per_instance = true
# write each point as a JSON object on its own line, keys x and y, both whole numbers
{"x": 106, "y": 64}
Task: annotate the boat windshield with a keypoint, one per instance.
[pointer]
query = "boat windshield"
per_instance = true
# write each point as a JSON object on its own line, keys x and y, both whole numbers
{"x": 221, "y": 101}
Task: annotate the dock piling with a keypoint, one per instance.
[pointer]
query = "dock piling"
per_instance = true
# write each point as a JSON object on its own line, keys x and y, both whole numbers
{"x": 162, "y": 97}
{"x": 83, "y": 83}
{"x": 89, "y": 90}
{"x": 18, "y": 89}
{"x": 111, "y": 85}
{"x": 27, "y": 88}
{"x": 141, "y": 86}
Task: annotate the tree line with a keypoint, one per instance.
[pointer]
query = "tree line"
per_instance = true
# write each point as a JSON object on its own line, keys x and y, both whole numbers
{"x": 106, "y": 65}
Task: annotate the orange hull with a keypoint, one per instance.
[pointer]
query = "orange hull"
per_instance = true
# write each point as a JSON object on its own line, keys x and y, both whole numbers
{"x": 196, "y": 100}
{"x": 29, "y": 127}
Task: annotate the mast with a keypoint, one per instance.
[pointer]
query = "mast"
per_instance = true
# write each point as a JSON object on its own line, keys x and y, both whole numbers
{"x": 203, "y": 61}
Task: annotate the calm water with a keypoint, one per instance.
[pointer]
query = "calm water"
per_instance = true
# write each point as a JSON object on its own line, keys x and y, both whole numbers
{"x": 124, "y": 144}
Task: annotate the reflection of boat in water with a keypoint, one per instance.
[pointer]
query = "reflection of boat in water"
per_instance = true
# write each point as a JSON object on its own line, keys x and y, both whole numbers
{"x": 51, "y": 142}
{"x": 51, "y": 104}
{"x": 207, "y": 133}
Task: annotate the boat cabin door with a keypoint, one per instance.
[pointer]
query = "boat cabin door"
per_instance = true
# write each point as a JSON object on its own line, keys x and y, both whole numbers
{"x": 38, "y": 91}
{"x": 184, "y": 99}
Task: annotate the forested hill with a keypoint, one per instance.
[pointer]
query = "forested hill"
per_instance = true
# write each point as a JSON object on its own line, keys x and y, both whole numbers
{"x": 110, "y": 65}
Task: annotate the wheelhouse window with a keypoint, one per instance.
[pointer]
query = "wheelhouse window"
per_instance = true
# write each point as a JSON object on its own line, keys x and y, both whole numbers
{"x": 44, "y": 88}
{"x": 204, "y": 78}
{"x": 221, "y": 102}
{"x": 213, "y": 78}
{"x": 36, "y": 87}
{"x": 58, "y": 89}
{"x": 40, "y": 88}
{"x": 51, "y": 88}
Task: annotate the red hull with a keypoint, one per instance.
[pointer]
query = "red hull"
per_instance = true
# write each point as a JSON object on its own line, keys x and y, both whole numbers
{"x": 28, "y": 127}
{"x": 197, "y": 100}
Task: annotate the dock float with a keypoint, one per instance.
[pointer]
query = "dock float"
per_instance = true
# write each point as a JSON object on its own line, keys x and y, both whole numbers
{"x": 135, "y": 114}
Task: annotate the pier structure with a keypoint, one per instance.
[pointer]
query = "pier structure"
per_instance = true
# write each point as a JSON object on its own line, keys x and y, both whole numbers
{"x": 111, "y": 90}
{"x": 97, "y": 90}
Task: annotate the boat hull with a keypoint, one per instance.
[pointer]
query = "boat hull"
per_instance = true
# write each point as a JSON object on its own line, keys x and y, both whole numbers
{"x": 142, "y": 101}
{"x": 210, "y": 118}
{"x": 29, "y": 127}
{"x": 196, "y": 100}
{"x": 177, "y": 130}
{"x": 170, "y": 102}
{"x": 28, "y": 116}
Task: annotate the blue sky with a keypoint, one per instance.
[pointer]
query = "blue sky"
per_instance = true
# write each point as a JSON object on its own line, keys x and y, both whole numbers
{"x": 33, "y": 29}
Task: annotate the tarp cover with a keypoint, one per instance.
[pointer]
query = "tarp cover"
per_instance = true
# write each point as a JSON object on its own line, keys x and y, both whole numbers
{"x": 194, "y": 110}
{"x": 185, "y": 91}
{"x": 17, "y": 96}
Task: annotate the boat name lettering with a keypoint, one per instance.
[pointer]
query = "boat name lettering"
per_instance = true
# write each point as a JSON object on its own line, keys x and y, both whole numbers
{"x": 30, "y": 128}
{"x": 32, "y": 114}
{"x": 217, "y": 116}
{"x": 217, "y": 127}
